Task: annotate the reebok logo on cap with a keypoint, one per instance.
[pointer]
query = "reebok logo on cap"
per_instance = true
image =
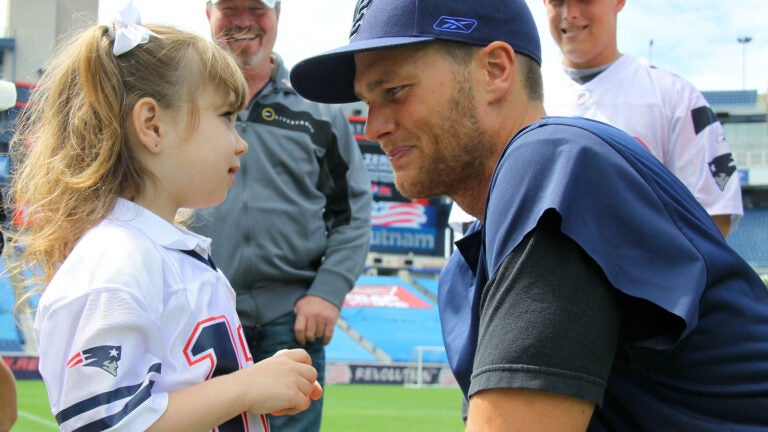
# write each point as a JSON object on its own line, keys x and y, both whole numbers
{"x": 461, "y": 25}
{"x": 268, "y": 3}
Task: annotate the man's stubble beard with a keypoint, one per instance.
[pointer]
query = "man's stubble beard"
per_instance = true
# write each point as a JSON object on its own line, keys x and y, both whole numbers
{"x": 458, "y": 158}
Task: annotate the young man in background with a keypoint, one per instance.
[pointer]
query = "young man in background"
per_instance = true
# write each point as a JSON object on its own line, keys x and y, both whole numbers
{"x": 663, "y": 111}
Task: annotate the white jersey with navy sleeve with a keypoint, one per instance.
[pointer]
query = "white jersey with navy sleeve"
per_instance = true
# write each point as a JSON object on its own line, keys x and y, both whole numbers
{"x": 136, "y": 311}
{"x": 668, "y": 115}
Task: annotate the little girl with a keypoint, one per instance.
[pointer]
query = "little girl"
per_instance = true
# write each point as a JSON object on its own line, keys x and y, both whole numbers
{"x": 137, "y": 327}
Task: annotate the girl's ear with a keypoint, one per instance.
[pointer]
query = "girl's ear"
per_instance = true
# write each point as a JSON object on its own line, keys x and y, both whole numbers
{"x": 146, "y": 122}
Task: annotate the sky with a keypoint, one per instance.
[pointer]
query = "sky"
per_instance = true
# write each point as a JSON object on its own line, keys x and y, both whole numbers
{"x": 696, "y": 39}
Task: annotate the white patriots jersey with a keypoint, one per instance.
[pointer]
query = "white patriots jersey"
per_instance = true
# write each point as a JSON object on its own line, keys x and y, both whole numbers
{"x": 136, "y": 311}
{"x": 668, "y": 116}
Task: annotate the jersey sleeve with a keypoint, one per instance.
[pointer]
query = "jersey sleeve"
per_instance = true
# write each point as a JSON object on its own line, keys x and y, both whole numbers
{"x": 566, "y": 319}
{"x": 699, "y": 153}
{"x": 101, "y": 359}
{"x": 618, "y": 203}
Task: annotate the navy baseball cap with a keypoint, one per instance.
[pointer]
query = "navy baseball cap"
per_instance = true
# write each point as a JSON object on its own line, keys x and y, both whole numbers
{"x": 379, "y": 24}
{"x": 268, "y": 3}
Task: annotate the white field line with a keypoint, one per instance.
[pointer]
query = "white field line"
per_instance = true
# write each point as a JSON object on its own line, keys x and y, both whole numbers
{"x": 36, "y": 419}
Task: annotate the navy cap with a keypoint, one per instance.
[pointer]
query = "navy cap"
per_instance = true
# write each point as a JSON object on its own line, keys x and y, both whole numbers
{"x": 379, "y": 24}
{"x": 269, "y": 3}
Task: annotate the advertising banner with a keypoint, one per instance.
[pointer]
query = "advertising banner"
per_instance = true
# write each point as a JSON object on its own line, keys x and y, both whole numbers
{"x": 24, "y": 367}
{"x": 398, "y": 373}
{"x": 383, "y": 296}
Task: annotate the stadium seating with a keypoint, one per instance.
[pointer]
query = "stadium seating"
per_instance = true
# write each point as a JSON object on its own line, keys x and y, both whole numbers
{"x": 750, "y": 239}
{"x": 718, "y": 98}
{"x": 429, "y": 284}
{"x": 343, "y": 348}
{"x": 10, "y": 337}
{"x": 395, "y": 328}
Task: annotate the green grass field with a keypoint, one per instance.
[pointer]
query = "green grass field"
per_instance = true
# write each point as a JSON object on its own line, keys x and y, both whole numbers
{"x": 348, "y": 408}
{"x": 34, "y": 411}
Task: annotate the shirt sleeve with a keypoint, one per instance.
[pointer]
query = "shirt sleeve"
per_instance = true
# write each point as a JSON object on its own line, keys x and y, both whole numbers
{"x": 348, "y": 217}
{"x": 100, "y": 356}
{"x": 549, "y": 319}
{"x": 700, "y": 154}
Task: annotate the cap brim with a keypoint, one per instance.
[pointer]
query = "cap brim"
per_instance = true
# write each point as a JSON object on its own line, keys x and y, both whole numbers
{"x": 329, "y": 77}
{"x": 7, "y": 95}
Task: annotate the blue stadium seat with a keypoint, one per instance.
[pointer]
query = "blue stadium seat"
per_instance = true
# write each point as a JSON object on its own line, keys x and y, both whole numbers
{"x": 8, "y": 329}
{"x": 343, "y": 348}
{"x": 7, "y": 298}
{"x": 10, "y": 345}
{"x": 731, "y": 97}
{"x": 430, "y": 284}
{"x": 10, "y": 336}
{"x": 750, "y": 239}
{"x": 397, "y": 330}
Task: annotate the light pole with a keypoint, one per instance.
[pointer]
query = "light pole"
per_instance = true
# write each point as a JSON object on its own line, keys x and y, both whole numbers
{"x": 650, "y": 52}
{"x": 744, "y": 40}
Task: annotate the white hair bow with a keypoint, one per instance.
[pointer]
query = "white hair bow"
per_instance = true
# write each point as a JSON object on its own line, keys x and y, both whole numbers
{"x": 128, "y": 31}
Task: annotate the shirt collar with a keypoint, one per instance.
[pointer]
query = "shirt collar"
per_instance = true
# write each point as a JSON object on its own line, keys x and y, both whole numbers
{"x": 158, "y": 229}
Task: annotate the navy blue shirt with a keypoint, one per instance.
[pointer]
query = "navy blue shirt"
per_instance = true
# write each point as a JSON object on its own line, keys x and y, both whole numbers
{"x": 692, "y": 352}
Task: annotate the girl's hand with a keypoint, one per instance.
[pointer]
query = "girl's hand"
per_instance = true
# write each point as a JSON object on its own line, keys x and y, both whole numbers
{"x": 285, "y": 383}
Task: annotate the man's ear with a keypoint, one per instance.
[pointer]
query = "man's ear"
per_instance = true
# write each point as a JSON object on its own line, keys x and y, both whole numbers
{"x": 146, "y": 122}
{"x": 498, "y": 65}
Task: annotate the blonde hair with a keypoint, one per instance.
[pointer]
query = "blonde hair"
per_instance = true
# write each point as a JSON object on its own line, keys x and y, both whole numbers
{"x": 72, "y": 151}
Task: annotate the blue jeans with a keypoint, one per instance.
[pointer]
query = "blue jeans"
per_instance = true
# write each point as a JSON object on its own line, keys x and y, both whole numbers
{"x": 270, "y": 338}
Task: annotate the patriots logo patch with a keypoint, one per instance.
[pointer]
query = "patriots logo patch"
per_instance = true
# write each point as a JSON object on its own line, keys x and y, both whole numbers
{"x": 104, "y": 357}
{"x": 360, "y": 9}
{"x": 722, "y": 168}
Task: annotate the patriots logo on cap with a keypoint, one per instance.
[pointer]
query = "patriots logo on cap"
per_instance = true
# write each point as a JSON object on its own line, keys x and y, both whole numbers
{"x": 722, "y": 168}
{"x": 360, "y": 10}
{"x": 104, "y": 357}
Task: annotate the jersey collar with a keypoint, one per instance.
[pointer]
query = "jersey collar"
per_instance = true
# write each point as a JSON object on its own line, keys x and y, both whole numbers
{"x": 158, "y": 229}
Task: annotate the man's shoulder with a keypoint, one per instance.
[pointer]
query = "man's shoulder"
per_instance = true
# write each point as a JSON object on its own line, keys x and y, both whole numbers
{"x": 668, "y": 80}
{"x": 555, "y": 126}
{"x": 636, "y": 75}
{"x": 574, "y": 133}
